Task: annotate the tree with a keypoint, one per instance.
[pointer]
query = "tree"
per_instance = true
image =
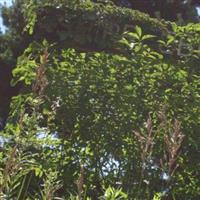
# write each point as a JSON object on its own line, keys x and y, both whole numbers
{"x": 15, "y": 19}
{"x": 179, "y": 11}
{"x": 17, "y": 39}
{"x": 88, "y": 120}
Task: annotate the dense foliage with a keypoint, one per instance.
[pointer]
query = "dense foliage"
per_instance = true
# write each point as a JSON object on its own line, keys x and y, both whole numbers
{"x": 78, "y": 24}
{"x": 181, "y": 11}
{"x": 103, "y": 125}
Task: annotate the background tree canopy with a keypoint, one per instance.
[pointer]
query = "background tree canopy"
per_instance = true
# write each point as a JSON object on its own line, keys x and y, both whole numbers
{"x": 99, "y": 101}
{"x": 179, "y": 10}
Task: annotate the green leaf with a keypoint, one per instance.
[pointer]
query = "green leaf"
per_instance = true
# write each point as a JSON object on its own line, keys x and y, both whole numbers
{"x": 138, "y": 31}
{"x": 170, "y": 39}
{"x": 146, "y": 37}
{"x": 134, "y": 36}
{"x": 24, "y": 186}
{"x": 129, "y": 87}
{"x": 124, "y": 42}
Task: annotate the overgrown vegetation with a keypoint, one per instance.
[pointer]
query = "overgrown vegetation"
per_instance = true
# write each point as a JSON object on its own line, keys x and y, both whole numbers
{"x": 105, "y": 125}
